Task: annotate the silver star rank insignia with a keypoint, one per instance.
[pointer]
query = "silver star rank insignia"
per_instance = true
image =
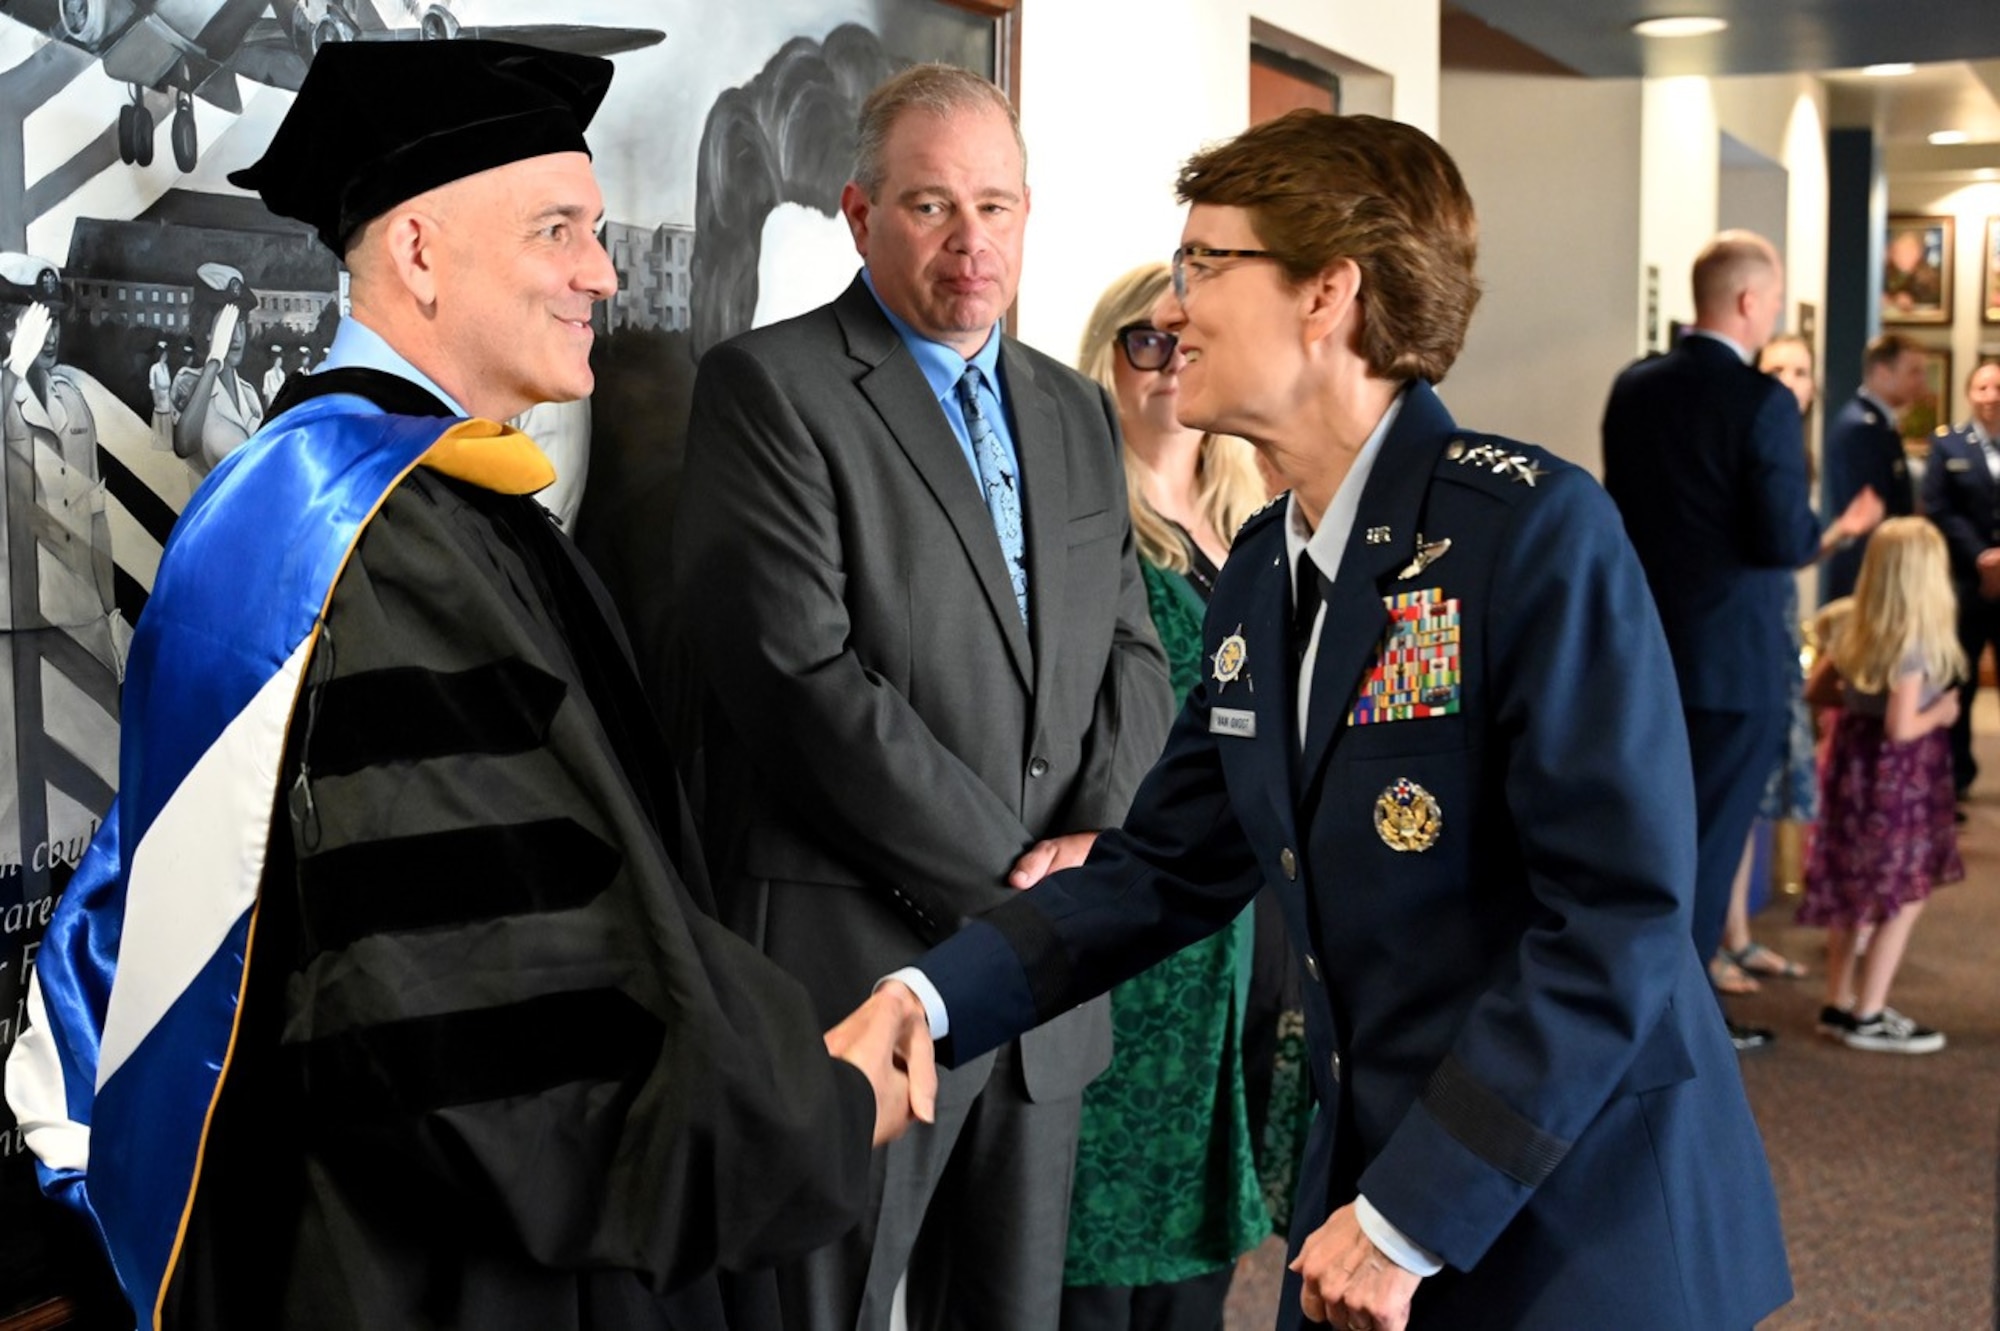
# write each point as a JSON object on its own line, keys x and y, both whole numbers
{"x": 1501, "y": 463}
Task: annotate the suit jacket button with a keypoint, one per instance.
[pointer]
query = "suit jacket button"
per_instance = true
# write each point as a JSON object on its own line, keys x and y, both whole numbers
{"x": 1288, "y": 864}
{"x": 1333, "y": 1062}
{"x": 1312, "y": 967}
{"x": 1038, "y": 767}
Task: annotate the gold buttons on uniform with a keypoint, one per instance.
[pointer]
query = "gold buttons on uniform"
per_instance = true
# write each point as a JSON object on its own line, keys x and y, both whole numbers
{"x": 1288, "y": 864}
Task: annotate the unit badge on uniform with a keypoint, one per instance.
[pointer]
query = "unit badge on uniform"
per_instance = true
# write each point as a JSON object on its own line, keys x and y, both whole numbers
{"x": 1416, "y": 671}
{"x": 1229, "y": 660}
{"x": 1407, "y": 816}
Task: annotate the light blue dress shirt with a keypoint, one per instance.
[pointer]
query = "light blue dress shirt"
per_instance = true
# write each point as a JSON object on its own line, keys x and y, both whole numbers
{"x": 356, "y": 346}
{"x": 942, "y": 368}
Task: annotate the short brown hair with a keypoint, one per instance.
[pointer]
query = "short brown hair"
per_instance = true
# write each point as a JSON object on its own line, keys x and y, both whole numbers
{"x": 1887, "y": 349}
{"x": 1321, "y": 187}
{"x": 1728, "y": 265}
{"x": 936, "y": 89}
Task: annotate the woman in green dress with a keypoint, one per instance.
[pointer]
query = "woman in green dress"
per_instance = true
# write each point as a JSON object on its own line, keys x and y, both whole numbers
{"x": 1166, "y": 1194}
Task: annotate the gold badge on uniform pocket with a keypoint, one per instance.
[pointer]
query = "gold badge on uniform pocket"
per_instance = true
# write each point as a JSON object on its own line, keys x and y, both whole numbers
{"x": 1407, "y": 816}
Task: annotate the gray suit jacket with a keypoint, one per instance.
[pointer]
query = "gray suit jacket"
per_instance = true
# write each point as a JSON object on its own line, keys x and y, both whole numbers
{"x": 880, "y": 738}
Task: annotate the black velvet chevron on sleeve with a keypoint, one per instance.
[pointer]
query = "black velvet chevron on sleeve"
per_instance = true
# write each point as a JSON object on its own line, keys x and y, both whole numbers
{"x": 452, "y": 878}
{"x": 406, "y": 714}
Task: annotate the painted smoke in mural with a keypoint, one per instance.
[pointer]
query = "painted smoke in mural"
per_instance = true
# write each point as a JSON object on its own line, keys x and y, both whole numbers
{"x": 177, "y": 306}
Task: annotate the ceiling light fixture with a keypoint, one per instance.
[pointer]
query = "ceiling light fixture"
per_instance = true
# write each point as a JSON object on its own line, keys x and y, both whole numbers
{"x": 1688, "y": 25}
{"x": 1890, "y": 71}
{"x": 1945, "y": 138}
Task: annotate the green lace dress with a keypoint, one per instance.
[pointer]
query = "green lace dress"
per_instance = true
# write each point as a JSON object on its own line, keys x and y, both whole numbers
{"x": 1165, "y": 1185}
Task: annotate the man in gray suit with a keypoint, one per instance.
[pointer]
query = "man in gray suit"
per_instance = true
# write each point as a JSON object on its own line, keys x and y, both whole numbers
{"x": 924, "y": 673}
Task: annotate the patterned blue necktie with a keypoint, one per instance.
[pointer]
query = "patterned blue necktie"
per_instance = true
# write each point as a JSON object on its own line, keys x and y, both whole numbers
{"x": 1003, "y": 490}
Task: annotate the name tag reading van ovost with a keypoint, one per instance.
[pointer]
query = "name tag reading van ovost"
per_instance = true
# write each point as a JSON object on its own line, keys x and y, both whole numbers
{"x": 1231, "y": 721}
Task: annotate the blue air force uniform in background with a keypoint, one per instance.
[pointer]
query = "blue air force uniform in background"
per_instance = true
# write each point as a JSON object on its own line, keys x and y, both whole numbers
{"x": 1962, "y": 496}
{"x": 1704, "y": 457}
{"x": 1862, "y": 447}
{"x": 1484, "y": 850}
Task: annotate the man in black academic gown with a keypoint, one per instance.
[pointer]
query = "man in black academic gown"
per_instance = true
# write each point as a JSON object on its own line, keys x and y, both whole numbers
{"x": 492, "y": 1064}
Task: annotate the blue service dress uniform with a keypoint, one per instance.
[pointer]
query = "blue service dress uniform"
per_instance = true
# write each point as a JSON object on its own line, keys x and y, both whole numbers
{"x": 1485, "y": 854}
{"x": 1863, "y": 448}
{"x": 1962, "y": 497}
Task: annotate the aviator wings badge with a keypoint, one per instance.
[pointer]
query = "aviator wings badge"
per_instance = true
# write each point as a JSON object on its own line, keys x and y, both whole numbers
{"x": 1427, "y": 554}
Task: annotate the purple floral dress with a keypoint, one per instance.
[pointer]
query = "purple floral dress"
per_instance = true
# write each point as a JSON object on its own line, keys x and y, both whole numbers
{"x": 1886, "y": 835}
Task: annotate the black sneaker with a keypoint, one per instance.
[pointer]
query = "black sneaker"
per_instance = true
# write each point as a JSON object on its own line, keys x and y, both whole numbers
{"x": 1749, "y": 1037}
{"x": 1890, "y": 1032}
{"x": 1836, "y": 1023}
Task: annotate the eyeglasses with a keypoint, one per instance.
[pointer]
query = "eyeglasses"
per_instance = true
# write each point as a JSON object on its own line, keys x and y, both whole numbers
{"x": 1186, "y": 252}
{"x": 1146, "y": 347}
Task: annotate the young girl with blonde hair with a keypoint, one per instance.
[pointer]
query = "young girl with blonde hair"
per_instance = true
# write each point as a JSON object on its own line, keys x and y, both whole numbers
{"x": 1886, "y": 834}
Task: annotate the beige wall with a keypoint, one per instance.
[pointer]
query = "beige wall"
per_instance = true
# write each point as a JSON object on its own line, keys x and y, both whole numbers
{"x": 1553, "y": 170}
{"x": 1103, "y": 183}
{"x": 1781, "y": 117}
{"x": 1580, "y": 185}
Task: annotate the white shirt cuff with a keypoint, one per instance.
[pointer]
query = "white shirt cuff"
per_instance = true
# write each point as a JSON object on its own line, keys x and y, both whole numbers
{"x": 927, "y": 994}
{"x": 1392, "y": 1241}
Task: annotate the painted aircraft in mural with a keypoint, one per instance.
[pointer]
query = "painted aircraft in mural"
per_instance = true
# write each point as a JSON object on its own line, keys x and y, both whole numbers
{"x": 196, "y": 48}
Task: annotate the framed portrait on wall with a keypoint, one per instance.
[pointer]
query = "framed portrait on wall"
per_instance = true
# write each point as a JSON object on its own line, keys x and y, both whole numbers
{"x": 1916, "y": 270}
{"x": 1989, "y": 281}
{"x": 1932, "y": 407}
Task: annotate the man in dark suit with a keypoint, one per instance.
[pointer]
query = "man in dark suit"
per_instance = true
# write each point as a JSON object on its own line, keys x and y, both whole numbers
{"x": 1705, "y": 458}
{"x": 1864, "y": 449}
{"x": 924, "y": 665}
{"x": 1962, "y": 496}
{"x": 1436, "y": 718}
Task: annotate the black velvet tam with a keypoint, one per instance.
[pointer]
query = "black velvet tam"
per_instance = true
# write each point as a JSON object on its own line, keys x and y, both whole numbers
{"x": 379, "y": 122}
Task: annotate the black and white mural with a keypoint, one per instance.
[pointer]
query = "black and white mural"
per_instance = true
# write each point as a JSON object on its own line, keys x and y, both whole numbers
{"x": 149, "y": 311}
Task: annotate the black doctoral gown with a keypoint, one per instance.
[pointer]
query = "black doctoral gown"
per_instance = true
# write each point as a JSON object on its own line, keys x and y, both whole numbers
{"x": 497, "y": 1066}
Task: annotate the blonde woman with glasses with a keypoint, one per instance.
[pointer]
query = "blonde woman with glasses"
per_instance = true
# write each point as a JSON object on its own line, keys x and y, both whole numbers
{"x": 1166, "y": 1194}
